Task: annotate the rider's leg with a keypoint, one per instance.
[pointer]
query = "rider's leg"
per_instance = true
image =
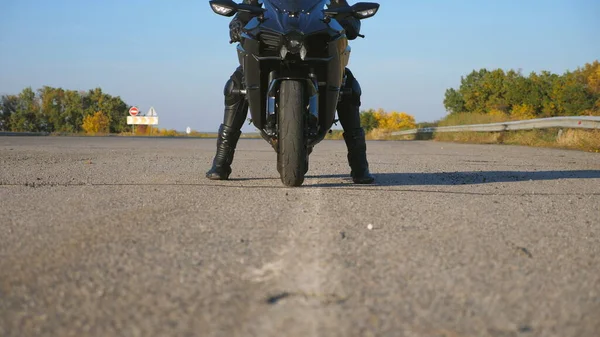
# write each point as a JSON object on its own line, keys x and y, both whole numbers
{"x": 236, "y": 109}
{"x": 354, "y": 135}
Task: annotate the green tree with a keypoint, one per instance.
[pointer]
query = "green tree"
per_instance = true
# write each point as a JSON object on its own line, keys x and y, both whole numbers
{"x": 368, "y": 120}
{"x": 570, "y": 96}
{"x": 113, "y": 107}
{"x": 60, "y": 110}
{"x": 544, "y": 94}
{"x": 116, "y": 110}
{"x": 53, "y": 107}
{"x": 8, "y": 106}
{"x": 473, "y": 91}
{"x": 494, "y": 91}
{"x": 26, "y": 116}
{"x": 454, "y": 101}
{"x": 73, "y": 111}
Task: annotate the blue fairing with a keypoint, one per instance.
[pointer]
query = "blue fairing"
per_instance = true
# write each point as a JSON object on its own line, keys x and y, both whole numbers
{"x": 296, "y": 5}
{"x": 283, "y": 16}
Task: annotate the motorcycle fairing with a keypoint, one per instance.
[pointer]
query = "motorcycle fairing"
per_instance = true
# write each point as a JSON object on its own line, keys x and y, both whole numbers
{"x": 264, "y": 64}
{"x": 295, "y": 5}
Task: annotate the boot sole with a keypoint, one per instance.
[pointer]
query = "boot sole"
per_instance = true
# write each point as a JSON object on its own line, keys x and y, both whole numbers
{"x": 364, "y": 181}
{"x": 216, "y": 176}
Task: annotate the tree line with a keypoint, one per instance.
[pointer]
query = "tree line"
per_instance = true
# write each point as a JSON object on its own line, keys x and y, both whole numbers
{"x": 58, "y": 110}
{"x": 69, "y": 111}
{"x": 523, "y": 97}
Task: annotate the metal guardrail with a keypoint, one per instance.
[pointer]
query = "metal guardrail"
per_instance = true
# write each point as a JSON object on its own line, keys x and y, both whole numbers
{"x": 570, "y": 122}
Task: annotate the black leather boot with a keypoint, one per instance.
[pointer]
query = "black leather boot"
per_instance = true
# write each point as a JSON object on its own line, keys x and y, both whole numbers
{"x": 236, "y": 109}
{"x": 357, "y": 156}
{"x": 226, "y": 143}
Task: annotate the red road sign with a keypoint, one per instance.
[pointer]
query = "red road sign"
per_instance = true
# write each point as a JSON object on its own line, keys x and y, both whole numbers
{"x": 134, "y": 111}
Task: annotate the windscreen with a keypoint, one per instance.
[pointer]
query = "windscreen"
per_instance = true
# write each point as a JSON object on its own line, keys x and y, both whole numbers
{"x": 295, "y": 5}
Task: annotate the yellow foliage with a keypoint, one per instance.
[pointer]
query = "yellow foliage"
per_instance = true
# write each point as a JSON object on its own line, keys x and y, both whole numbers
{"x": 498, "y": 115}
{"x": 394, "y": 121}
{"x": 521, "y": 112}
{"x": 96, "y": 123}
{"x": 591, "y": 76}
{"x": 594, "y": 80}
{"x": 167, "y": 133}
{"x": 466, "y": 118}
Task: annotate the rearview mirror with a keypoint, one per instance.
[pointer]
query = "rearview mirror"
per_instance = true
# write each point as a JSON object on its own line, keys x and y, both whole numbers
{"x": 223, "y": 7}
{"x": 229, "y": 8}
{"x": 360, "y": 10}
{"x": 364, "y": 10}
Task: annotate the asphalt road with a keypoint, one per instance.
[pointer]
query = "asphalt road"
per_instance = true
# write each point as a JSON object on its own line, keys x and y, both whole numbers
{"x": 125, "y": 237}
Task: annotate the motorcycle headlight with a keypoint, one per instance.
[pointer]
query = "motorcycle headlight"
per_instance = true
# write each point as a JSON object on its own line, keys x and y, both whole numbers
{"x": 294, "y": 42}
{"x": 284, "y": 51}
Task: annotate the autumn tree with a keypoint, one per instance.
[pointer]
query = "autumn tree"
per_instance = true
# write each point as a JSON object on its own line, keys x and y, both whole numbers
{"x": 522, "y": 112}
{"x": 96, "y": 123}
{"x": 589, "y": 74}
{"x": 394, "y": 121}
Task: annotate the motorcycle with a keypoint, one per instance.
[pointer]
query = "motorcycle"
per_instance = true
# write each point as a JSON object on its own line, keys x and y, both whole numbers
{"x": 293, "y": 54}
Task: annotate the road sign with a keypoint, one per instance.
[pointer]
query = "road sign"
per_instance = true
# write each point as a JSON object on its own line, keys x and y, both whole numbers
{"x": 188, "y": 130}
{"x": 142, "y": 120}
{"x": 151, "y": 112}
{"x": 134, "y": 111}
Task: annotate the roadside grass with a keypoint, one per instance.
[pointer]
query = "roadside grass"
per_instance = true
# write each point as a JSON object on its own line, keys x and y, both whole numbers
{"x": 576, "y": 139}
{"x": 474, "y": 118}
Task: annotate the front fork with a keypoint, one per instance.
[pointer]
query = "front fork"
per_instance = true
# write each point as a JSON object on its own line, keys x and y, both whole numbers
{"x": 311, "y": 118}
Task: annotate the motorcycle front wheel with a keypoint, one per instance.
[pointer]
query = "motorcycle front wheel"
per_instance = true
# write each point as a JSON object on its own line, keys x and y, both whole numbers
{"x": 292, "y": 155}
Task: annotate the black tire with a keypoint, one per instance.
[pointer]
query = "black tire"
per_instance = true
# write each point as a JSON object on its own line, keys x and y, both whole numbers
{"x": 292, "y": 154}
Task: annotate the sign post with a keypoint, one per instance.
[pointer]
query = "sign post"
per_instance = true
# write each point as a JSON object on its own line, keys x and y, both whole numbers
{"x": 133, "y": 111}
{"x": 151, "y": 118}
{"x": 151, "y": 113}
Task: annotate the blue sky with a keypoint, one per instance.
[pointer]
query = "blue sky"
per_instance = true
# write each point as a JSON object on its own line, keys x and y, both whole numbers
{"x": 175, "y": 56}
